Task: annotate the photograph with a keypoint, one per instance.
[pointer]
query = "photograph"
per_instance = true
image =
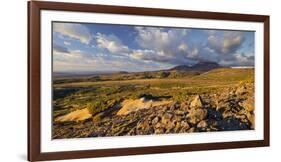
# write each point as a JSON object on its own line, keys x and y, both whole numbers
{"x": 107, "y": 80}
{"x": 131, "y": 80}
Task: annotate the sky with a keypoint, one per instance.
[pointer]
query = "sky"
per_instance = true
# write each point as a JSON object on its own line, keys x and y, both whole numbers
{"x": 91, "y": 47}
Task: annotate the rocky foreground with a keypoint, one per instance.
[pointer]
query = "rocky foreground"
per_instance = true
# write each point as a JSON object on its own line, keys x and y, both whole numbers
{"x": 231, "y": 109}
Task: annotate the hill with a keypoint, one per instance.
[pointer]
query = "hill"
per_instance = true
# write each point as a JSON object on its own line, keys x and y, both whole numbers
{"x": 200, "y": 66}
{"x": 180, "y": 71}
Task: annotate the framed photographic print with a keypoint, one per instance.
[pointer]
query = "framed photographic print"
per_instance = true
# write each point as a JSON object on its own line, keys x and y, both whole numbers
{"x": 113, "y": 80}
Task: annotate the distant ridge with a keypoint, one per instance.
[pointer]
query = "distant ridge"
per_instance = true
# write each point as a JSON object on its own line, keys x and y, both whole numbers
{"x": 201, "y": 66}
{"x": 242, "y": 67}
{"x": 81, "y": 74}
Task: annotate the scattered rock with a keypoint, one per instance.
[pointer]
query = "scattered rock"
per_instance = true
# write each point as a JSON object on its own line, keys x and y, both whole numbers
{"x": 232, "y": 109}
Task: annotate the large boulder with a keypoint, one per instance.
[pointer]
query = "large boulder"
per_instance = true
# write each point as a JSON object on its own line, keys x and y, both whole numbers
{"x": 196, "y": 115}
{"x": 196, "y": 102}
{"x": 77, "y": 115}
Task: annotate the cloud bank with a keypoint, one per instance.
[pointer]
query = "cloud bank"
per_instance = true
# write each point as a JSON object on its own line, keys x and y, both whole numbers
{"x": 75, "y": 31}
{"x": 82, "y": 47}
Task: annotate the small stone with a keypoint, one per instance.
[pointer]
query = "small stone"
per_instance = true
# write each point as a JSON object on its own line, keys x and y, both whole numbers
{"x": 159, "y": 131}
{"x": 170, "y": 126}
{"x": 177, "y": 127}
{"x": 172, "y": 107}
{"x": 227, "y": 114}
{"x": 184, "y": 124}
{"x": 155, "y": 120}
{"x": 143, "y": 125}
{"x": 248, "y": 104}
{"x": 241, "y": 90}
{"x": 166, "y": 118}
{"x": 158, "y": 125}
{"x": 132, "y": 132}
{"x": 202, "y": 124}
{"x": 251, "y": 118}
{"x": 184, "y": 106}
{"x": 178, "y": 118}
{"x": 191, "y": 130}
{"x": 179, "y": 112}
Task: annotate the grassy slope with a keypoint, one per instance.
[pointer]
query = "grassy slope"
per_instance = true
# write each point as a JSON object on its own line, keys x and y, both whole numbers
{"x": 98, "y": 96}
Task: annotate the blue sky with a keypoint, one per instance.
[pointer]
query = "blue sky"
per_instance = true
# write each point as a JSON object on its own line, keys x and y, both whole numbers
{"x": 81, "y": 47}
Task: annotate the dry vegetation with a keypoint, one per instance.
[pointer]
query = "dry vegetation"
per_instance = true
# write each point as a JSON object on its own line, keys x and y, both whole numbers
{"x": 153, "y": 103}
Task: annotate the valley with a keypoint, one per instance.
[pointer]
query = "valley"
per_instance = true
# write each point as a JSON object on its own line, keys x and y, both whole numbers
{"x": 202, "y": 98}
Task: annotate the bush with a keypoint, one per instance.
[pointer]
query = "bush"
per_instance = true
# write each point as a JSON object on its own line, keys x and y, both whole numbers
{"x": 96, "y": 107}
{"x": 164, "y": 74}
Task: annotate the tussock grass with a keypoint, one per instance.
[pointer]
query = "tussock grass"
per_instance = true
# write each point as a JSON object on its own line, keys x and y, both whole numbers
{"x": 102, "y": 93}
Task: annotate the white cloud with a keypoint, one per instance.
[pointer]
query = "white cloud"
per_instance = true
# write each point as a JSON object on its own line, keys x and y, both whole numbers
{"x": 226, "y": 43}
{"x": 165, "y": 45}
{"x": 111, "y": 43}
{"x": 71, "y": 56}
{"x": 175, "y": 46}
{"x": 159, "y": 39}
{"x": 76, "y": 60}
{"x": 66, "y": 43}
{"x": 183, "y": 47}
{"x": 245, "y": 60}
{"x": 224, "y": 48}
{"x": 75, "y": 31}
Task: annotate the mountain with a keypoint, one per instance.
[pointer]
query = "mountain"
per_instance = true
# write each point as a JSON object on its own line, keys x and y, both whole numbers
{"x": 201, "y": 66}
{"x": 206, "y": 66}
{"x": 181, "y": 68}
